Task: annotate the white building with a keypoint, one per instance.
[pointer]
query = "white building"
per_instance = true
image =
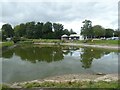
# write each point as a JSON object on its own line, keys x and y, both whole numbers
{"x": 64, "y": 37}
{"x": 72, "y": 37}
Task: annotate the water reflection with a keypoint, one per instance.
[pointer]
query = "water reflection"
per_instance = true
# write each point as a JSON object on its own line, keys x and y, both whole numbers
{"x": 90, "y": 54}
{"x": 36, "y": 54}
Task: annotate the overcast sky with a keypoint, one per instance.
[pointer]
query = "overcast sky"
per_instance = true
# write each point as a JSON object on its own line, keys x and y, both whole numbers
{"x": 69, "y": 13}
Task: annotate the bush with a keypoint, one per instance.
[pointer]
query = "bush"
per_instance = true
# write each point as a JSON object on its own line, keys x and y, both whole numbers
{"x": 16, "y": 39}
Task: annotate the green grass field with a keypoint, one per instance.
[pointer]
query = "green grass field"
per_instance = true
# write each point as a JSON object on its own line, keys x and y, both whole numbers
{"x": 6, "y": 44}
{"x": 101, "y": 42}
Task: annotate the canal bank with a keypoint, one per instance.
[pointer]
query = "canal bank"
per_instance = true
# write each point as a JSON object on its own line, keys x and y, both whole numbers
{"x": 72, "y": 81}
{"x": 117, "y": 47}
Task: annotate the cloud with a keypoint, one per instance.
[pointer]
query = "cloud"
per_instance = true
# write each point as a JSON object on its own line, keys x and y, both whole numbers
{"x": 70, "y": 13}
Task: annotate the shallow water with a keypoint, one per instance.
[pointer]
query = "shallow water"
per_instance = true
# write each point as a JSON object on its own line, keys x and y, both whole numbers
{"x": 24, "y": 63}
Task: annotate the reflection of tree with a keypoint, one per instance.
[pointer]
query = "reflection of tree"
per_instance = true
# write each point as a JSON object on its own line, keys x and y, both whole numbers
{"x": 89, "y": 54}
{"x": 34, "y": 54}
{"x": 7, "y": 54}
{"x": 49, "y": 54}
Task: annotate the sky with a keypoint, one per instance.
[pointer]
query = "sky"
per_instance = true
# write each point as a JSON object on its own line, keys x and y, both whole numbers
{"x": 70, "y": 13}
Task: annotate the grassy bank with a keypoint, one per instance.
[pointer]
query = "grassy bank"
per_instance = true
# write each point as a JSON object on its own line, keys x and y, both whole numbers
{"x": 83, "y": 84}
{"x": 99, "y": 42}
{"x": 57, "y": 41}
{"x": 73, "y": 85}
{"x": 104, "y": 42}
{"x": 6, "y": 44}
{"x": 91, "y": 42}
{"x": 4, "y": 87}
{"x": 47, "y": 41}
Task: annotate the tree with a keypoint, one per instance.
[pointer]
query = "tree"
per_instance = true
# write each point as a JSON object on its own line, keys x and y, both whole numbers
{"x": 72, "y": 32}
{"x": 98, "y": 31}
{"x": 39, "y": 30}
{"x": 7, "y": 31}
{"x": 30, "y": 30}
{"x": 65, "y": 31}
{"x": 47, "y": 30}
{"x": 86, "y": 30}
{"x": 109, "y": 33}
{"x": 117, "y": 33}
{"x": 58, "y": 30}
{"x": 20, "y": 30}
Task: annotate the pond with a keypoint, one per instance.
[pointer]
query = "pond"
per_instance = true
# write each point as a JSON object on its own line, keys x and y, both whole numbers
{"x": 30, "y": 62}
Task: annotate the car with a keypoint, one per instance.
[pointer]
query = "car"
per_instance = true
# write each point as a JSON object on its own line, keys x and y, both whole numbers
{"x": 115, "y": 38}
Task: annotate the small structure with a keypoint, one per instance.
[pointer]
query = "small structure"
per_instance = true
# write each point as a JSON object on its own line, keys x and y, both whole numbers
{"x": 8, "y": 39}
{"x": 74, "y": 37}
{"x": 64, "y": 37}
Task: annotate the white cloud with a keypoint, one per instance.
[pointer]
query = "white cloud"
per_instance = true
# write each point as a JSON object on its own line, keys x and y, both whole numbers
{"x": 59, "y": 0}
{"x": 75, "y": 25}
{"x": 1, "y": 24}
{"x": 69, "y": 13}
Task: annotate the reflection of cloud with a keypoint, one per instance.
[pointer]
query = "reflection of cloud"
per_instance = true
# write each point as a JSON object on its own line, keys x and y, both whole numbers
{"x": 76, "y": 53}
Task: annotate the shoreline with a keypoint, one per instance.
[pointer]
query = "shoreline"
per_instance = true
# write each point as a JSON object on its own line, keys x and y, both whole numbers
{"x": 82, "y": 45}
{"x": 70, "y": 78}
{"x": 84, "y": 77}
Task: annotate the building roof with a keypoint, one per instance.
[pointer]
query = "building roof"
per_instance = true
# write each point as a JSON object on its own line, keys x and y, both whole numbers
{"x": 64, "y": 35}
{"x": 74, "y": 35}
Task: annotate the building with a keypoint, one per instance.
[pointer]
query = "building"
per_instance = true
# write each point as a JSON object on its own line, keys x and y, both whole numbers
{"x": 65, "y": 37}
{"x": 72, "y": 37}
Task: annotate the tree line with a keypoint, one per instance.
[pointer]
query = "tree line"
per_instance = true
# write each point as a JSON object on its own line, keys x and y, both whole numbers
{"x": 48, "y": 30}
{"x": 33, "y": 30}
{"x": 97, "y": 31}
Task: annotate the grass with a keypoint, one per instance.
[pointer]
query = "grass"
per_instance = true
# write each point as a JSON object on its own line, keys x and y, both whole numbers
{"x": 91, "y": 42}
{"x": 4, "y": 87}
{"x": 47, "y": 40}
{"x": 104, "y": 42}
{"x": 6, "y": 44}
{"x": 94, "y": 42}
{"x": 100, "y": 84}
{"x": 30, "y": 41}
{"x": 99, "y": 42}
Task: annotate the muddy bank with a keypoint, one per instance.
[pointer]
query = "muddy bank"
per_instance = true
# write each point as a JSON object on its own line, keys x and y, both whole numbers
{"x": 82, "y": 45}
{"x": 73, "y": 78}
{"x": 83, "y": 77}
